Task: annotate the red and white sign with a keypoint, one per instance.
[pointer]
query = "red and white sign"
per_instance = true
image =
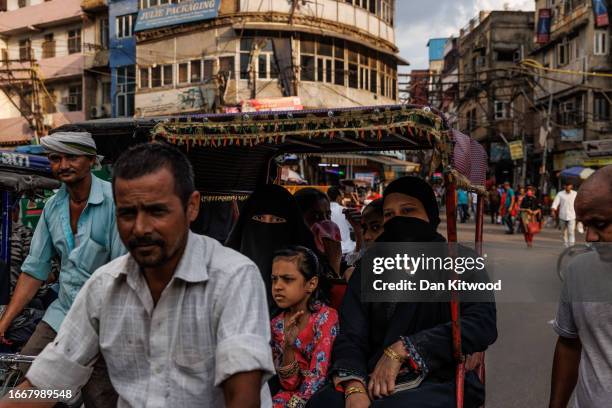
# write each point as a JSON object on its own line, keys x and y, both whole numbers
{"x": 291, "y": 103}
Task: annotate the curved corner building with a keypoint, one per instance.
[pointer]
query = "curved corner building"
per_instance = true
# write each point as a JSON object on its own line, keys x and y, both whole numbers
{"x": 212, "y": 55}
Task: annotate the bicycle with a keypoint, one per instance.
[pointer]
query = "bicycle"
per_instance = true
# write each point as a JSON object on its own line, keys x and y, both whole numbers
{"x": 10, "y": 374}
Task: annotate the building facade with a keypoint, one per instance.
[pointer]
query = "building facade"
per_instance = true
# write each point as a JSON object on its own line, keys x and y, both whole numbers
{"x": 449, "y": 79}
{"x": 329, "y": 54}
{"x": 122, "y": 15}
{"x": 53, "y": 66}
{"x": 572, "y": 53}
{"x": 493, "y": 98}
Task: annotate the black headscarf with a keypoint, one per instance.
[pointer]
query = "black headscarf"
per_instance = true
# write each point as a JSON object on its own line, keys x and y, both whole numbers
{"x": 419, "y": 189}
{"x": 259, "y": 241}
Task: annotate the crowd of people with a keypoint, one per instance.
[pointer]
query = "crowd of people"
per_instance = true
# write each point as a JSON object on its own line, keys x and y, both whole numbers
{"x": 151, "y": 314}
{"x": 522, "y": 210}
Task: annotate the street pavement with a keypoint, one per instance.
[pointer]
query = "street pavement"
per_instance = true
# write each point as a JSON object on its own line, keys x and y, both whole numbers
{"x": 518, "y": 365}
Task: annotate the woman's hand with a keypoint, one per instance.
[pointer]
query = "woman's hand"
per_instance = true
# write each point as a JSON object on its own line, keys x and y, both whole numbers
{"x": 292, "y": 329}
{"x": 382, "y": 380}
{"x": 357, "y": 400}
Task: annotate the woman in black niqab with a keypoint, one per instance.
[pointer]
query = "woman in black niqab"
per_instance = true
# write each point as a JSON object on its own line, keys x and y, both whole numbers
{"x": 418, "y": 333}
{"x": 270, "y": 220}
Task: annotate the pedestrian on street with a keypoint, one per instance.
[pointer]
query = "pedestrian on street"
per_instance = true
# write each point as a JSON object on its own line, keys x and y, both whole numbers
{"x": 182, "y": 321}
{"x": 583, "y": 356}
{"x": 493, "y": 199}
{"x": 77, "y": 225}
{"x": 474, "y": 204}
{"x": 563, "y": 208}
{"x": 463, "y": 203}
{"x": 530, "y": 215}
{"x": 507, "y": 208}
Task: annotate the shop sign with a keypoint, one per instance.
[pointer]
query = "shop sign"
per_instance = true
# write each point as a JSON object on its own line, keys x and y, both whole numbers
{"x": 176, "y": 13}
{"x": 516, "y": 150}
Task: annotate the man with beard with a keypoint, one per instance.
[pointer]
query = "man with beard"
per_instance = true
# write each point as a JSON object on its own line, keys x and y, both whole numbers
{"x": 181, "y": 320}
{"x": 78, "y": 226}
{"x": 583, "y": 355}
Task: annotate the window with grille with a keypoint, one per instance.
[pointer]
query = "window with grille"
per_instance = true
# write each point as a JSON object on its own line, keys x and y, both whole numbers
{"x": 75, "y": 100}
{"x": 167, "y": 77}
{"x": 25, "y": 50}
{"x": 104, "y": 33}
{"x": 48, "y": 46}
{"x": 124, "y": 25}
{"x": 49, "y": 101}
{"x": 601, "y": 108}
{"x": 74, "y": 41}
{"x": 602, "y": 41}
{"x": 126, "y": 84}
{"x": 227, "y": 66}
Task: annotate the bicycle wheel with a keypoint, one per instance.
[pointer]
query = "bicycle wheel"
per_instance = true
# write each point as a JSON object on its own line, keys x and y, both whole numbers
{"x": 567, "y": 255}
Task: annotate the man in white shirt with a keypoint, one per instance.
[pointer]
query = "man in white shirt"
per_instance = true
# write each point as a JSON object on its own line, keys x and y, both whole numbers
{"x": 338, "y": 217}
{"x": 181, "y": 320}
{"x": 563, "y": 207}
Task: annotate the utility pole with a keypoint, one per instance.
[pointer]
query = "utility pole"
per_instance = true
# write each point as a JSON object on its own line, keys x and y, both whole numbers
{"x": 543, "y": 174}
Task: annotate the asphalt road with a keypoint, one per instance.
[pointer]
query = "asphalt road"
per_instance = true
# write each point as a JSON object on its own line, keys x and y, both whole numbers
{"x": 518, "y": 365}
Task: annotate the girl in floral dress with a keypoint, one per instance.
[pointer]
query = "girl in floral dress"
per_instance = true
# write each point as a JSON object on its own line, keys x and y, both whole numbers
{"x": 303, "y": 334}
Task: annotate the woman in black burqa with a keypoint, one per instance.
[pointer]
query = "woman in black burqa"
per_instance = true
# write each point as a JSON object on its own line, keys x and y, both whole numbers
{"x": 381, "y": 344}
{"x": 270, "y": 220}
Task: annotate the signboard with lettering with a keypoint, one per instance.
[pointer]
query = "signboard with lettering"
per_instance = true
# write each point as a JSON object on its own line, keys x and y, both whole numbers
{"x": 601, "y": 13}
{"x": 179, "y": 13}
{"x": 172, "y": 101}
{"x": 516, "y": 150}
{"x": 544, "y": 21}
{"x": 572, "y": 135}
{"x": 596, "y": 148}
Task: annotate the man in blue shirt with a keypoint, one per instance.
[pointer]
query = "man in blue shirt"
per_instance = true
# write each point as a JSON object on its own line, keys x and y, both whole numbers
{"x": 507, "y": 207}
{"x": 78, "y": 226}
{"x": 463, "y": 205}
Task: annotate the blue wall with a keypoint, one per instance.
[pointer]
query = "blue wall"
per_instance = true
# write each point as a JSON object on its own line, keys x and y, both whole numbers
{"x": 436, "y": 48}
{"x": 122, "y": 50}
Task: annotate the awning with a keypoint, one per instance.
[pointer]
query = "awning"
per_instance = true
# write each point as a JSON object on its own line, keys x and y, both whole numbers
{"x": 578, "y": 172}
{"x": 362, "y": 160}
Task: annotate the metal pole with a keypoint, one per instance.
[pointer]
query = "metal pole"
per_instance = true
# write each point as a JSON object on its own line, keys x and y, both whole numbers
{"x": 451, "y": 228}
{"x": 543, "y": 178}
{"x": 479, "y": 224}
{"x": 5, "y": 247}
{"x": 524, "y": 167}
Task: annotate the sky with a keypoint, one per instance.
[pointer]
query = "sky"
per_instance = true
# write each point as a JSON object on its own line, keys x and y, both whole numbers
{"x": 420, "y": 20}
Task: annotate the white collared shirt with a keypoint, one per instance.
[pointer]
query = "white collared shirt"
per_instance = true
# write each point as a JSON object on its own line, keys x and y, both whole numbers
{"x": 338, "y": 217}
{"x": 564, "y": 201}
{"x": 210, "y": 323}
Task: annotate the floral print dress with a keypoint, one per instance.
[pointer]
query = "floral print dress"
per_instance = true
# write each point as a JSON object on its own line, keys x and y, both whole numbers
{"x": 312, "y": 349}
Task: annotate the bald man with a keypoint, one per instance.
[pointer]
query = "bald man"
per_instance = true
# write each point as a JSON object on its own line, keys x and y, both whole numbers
{"x": 583, "y": 356}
